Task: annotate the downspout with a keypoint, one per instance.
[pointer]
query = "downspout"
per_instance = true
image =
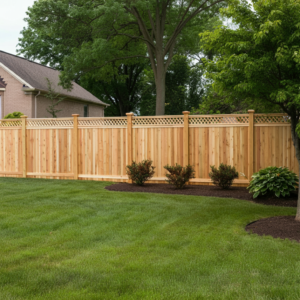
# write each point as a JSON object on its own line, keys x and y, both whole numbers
{"x": 35, "y": 104}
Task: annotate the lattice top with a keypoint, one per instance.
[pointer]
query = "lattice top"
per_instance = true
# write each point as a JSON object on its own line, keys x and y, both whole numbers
{"x": 11, "y": 123}
{"x": 266, "y": 119}
{"x": 86, "y": 122}
{"x": 218, "y": 119}
{"x": 67, "y": 123}
{"x": 158, "y": 121}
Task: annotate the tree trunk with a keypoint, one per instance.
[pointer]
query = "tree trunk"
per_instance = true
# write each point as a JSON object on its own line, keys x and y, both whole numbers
{"x": 160, "y": 82}
{"x": 296, "y": 141}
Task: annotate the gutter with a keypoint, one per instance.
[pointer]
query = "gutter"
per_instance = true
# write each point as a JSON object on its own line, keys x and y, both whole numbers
{"x": 35, "y": 103}
{"x": 27, "y": 89}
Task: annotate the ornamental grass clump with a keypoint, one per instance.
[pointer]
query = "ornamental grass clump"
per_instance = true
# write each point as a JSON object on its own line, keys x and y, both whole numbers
{"x": 273, "y": 181}
{"x": 179, "y": 175}
{"x": 139, "y": 173}
{"x": 223, "y": 176}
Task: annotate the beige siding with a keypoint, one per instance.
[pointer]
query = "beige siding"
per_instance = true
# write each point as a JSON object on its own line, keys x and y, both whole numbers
{"x": 14, "y": 97}
{"x": 67, "y": 107}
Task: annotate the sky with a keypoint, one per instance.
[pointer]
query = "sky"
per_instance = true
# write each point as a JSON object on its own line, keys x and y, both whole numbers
{"x": 11, "y": 22}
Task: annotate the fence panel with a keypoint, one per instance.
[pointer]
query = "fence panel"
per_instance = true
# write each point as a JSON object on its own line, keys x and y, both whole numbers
{"x": 100, "y": 148}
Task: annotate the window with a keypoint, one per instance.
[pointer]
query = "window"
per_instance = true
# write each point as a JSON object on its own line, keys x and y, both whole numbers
{"x": 86, "y": 111}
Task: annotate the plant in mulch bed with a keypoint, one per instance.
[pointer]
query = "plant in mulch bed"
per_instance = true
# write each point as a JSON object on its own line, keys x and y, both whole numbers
{"x": 223, "y": 176}
{"x": 139, "y": 173}
{"x": 273, "y": 181}
{"x": 179, "y": 175}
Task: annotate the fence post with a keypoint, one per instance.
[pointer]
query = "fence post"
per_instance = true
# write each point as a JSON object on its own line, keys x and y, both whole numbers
{"x": 186, "y": 138}
{"x": 251, "y": 143}
{"x": 24, "y": 146}
{"x": 75, "y": 145}
{"x": 129, "y": 139}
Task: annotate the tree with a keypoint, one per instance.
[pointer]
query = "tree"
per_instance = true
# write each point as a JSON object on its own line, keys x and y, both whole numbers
{"x": 122, "y": 91}
{"x": 184, "y": 88}
{"x": 99, "y": 32}
{"x": 54, "y": 98}
{"x": 260, "y": 60}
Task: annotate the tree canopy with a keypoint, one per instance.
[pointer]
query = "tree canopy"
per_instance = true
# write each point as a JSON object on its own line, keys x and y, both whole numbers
{"x": 259, "y": 60}
{"x": 87, "y": 35}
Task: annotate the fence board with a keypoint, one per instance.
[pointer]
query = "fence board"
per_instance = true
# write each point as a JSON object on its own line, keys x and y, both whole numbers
{"x": 106, "y": 145}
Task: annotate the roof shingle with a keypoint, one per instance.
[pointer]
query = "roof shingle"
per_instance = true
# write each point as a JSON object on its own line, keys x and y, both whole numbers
{"x": 36, "y": 75}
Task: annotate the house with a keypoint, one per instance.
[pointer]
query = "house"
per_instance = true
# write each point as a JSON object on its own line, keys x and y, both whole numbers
{"x": 23, "y": 85}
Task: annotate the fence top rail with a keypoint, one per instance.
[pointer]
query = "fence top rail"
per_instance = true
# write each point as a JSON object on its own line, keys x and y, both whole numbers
{"x": 102, "y": 121}
{"x": 11, "y": 123}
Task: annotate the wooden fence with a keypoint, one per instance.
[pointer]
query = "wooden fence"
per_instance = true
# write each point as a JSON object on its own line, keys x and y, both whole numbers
{"x": 100, "y": 148}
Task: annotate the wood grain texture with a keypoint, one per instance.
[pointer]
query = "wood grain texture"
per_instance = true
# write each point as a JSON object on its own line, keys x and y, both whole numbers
{"x": 102, "y": 152}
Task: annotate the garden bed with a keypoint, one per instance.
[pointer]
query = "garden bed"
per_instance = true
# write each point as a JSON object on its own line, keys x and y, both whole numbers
{"x": 284, "y": 227}
{"x": 205, "y": 190}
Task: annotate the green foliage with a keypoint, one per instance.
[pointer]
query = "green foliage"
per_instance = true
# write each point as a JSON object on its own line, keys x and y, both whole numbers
{"x": 184, "y": 88}
{"x": 140, "y": 172}
{"x": 273, "y": 180}
{"x": 55, "y": 100}
{"x": 257, "y": 62}
{"x": 223, "y": 176}
{"x": 14, "y": 115}
{"x": 179, "y": 175}
{"x": 83, "y": 37}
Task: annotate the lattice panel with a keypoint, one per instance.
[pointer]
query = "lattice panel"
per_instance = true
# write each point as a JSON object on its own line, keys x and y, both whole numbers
{"x": 103, "y": 122}
{"x": 49, "y": 123}
{"x": 215, "y": 119}
{"x": 159, "y": 121}
{"x": 265, "y": 119}
{"x": 14, "y": 123}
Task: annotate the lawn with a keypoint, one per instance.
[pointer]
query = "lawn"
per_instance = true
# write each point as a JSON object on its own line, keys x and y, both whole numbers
{"x": 76, "y": 240}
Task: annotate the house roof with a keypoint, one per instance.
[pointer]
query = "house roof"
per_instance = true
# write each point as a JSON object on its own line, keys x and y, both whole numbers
{"x": 34, "y": 76}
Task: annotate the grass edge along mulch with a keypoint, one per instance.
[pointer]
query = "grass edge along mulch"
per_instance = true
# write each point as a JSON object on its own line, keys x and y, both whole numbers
{"x": 240, "y": 193}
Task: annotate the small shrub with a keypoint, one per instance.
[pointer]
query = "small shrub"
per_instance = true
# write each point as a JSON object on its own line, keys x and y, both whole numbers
{"x": 14, "y": 115}
{"x": 273, "y": 181}
{"x": 139, "y": 173}
{"x": 223, "y": 176}
{"x": 179, "y": 175}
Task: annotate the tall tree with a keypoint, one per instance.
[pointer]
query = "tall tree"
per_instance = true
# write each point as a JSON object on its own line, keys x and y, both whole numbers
{"x": 184, "y": 88}
{"x": 100, "y": 32}
{"x": 260, "y": 60}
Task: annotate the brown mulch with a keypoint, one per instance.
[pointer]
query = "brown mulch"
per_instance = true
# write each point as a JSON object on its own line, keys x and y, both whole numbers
{"x": 205, "y": 190}
{"x": 284, "y": 227}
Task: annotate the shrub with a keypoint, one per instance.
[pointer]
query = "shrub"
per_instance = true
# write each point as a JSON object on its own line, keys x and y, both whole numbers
{"x": 179, "y": 175}
{"x": 139, "y": 173}
{"x": 14, "y": 115}
{"x": 223, "y": 176}
{"x": 273, "y": 180}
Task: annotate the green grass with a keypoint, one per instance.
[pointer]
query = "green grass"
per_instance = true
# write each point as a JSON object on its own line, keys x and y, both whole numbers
{"x": 76, "y": 240}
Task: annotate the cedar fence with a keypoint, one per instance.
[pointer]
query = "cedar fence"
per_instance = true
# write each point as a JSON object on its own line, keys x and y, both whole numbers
{"x": 100, "y": 148}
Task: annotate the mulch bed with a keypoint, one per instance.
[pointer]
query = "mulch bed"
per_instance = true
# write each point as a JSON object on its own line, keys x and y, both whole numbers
{"x": 284, "y": 227}
{"x": 205, "y": 190}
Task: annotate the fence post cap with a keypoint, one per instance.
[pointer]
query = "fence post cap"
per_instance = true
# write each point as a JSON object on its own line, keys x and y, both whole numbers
{"x": 130, "y": 114}
{"x": 251, "y": 111}
{"x": 186, "y": 112}
{"x": 75, "y": 115}
{"x": 23, "y": 116}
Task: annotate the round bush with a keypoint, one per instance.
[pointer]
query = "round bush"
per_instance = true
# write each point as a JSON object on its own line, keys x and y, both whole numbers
{"x": 223, "y": 176}
{"x": 139, "y": 173}
{"x": 273, "y": 181}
